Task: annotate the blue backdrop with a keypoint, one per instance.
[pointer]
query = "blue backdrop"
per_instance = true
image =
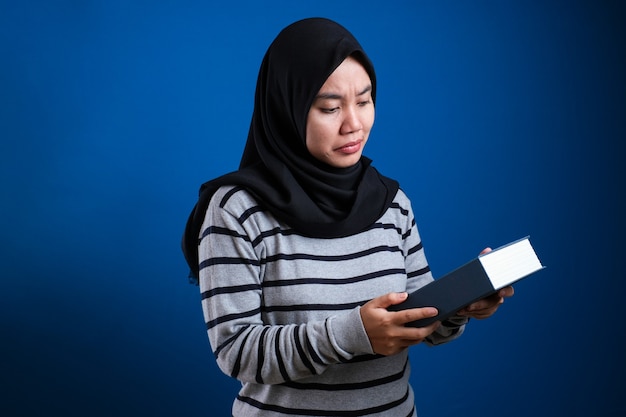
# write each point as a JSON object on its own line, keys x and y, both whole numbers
{"x": 500, "y": 119}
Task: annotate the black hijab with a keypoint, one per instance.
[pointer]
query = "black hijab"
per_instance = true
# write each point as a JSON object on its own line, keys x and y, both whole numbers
{"x": 313, "y": 198}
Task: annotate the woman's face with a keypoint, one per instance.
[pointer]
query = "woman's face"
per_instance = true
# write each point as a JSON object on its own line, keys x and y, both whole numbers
{"x": 341, "y": 116}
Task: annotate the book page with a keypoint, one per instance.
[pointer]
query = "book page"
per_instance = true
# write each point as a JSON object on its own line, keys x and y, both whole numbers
{"x": 510, "y": 263}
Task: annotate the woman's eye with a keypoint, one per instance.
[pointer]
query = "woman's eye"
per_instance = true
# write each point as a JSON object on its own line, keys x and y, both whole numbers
{"x": 329, "y": 109}
{"x": 364, "y": 103}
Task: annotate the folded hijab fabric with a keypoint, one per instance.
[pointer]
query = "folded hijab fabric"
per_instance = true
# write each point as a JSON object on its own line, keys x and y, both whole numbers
{"x": 313, "y": 198}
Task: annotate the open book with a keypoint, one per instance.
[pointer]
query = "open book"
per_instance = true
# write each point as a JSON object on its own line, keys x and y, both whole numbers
{"x": 477, "y": 279}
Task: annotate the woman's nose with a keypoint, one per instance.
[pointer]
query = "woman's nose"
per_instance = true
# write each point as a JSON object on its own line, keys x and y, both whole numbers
{"x": 351, "y": 122}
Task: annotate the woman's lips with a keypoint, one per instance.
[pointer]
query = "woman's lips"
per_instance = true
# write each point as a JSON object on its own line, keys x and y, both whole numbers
{"x": 350, "y": 147}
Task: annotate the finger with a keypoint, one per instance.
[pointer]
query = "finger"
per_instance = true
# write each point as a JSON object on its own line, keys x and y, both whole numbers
{"x": 414, "y": 335}
{"x": 486, "y": 250}
{"x": 482, "y": 315}
{"x": 479, "y": 306}
{"x": 410, "y": 342}
{"x": 480, "y": 312}
{"x": 506, "y": 292}
{"x": 389, "y": 299}
{"x": 487, "y": 303}
{"x": 413, "y": 314}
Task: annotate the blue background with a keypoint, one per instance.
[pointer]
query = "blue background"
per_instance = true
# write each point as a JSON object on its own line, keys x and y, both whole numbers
{"x": 500, "y": 119}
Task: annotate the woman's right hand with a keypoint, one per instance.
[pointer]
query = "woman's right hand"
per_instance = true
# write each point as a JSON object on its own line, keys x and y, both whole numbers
{"x": 386, "y": 329}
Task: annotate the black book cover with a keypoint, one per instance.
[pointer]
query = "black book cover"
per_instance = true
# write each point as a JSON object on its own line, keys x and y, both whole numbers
{"x": 471, "y": 282}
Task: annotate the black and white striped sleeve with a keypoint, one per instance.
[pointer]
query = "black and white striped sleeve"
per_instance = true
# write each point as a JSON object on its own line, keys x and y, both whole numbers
{"x": 232, "y": 258}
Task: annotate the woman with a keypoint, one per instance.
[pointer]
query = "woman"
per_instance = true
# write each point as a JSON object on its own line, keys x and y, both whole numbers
{"x": 301, "y": 251}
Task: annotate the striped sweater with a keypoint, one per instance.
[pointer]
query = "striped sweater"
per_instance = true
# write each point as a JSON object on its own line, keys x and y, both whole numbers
{"x": 282, "y": 310}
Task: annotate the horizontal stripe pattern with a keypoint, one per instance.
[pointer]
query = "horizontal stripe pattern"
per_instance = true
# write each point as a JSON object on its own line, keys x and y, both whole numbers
{"x": 357, "y": 412}
{"x": 282, "y": 310}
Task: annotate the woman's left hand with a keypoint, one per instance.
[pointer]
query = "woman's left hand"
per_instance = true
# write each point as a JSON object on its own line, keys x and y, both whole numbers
{"x": 485, "y": 308}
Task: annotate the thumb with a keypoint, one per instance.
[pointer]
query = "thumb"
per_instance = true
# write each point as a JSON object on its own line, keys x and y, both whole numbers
{"x": 389, "y": 299}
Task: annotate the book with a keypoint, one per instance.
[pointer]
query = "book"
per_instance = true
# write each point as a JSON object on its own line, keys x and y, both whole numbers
{"x": 477, "y": 279}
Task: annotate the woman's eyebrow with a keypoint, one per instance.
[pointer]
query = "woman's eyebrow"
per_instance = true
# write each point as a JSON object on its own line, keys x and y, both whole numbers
{"x": 365, "y": 90}
{"x": 335, "y": 96}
